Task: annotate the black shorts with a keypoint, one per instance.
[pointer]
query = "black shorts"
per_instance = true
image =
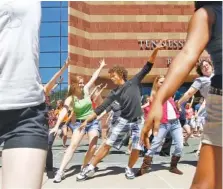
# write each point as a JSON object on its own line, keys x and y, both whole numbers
{"x": 24, "y": 128}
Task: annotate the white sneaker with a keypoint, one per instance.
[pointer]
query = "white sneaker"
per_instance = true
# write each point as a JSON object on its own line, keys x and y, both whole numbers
{"x": 85, "y": 173}
{"x": 129, "y": 174}
{"x": 59, "y": 177}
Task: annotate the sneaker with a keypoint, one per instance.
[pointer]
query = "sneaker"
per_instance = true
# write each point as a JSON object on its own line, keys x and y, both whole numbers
{"x": 129, "y": 174}
{"x": 84, "y": 174}
{"x": 59, "y": 177}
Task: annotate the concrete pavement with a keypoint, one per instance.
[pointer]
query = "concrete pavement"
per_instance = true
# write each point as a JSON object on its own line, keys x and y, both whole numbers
{"x": 110, "y": 174}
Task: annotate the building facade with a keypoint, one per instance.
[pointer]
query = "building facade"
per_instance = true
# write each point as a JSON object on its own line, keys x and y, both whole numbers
{"x": 54, "y": 42}
{"x": 125, "y": 33}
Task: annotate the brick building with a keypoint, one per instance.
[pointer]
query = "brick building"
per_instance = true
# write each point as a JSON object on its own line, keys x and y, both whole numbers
{"x": 124, "y": 33}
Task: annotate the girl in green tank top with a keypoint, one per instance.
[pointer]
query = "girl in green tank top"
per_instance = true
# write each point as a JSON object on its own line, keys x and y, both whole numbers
{"x": 79, "y": 98}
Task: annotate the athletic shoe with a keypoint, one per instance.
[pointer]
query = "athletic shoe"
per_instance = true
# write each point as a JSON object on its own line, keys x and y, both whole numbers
{"x": 84, "y": 174}
{"x": 59, "y": 177}
{"x": 129, "y": 174}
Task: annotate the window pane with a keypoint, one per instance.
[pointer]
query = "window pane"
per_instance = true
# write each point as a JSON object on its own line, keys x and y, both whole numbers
{"x": 49, "y": 60}
{"x": 64, "y": 29}
{"x": 64, "y": 14}
{"x": 65, "y": 76}
{"x": 50, "y": 3}
{"x": 64, "y": 3}
{"x": 50, "y": 44}
{"x": 63, "y": 58}
{"x": 50, "y": 29}
{"x": 64, "y": 44}
{"x": 47, "y": 73}
{"x": 50, "y": 14}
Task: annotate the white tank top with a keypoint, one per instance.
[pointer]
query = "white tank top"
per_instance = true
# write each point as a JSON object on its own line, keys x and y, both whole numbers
{"x": 20, "y": 83}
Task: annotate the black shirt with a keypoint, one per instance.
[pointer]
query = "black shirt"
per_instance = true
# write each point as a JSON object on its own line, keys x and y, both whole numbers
{"x": 128, "y": 96}
{"x": 116, "y": 110}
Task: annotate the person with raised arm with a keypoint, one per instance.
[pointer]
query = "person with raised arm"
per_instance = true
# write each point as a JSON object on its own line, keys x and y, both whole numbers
{"x": 79, "y": 99}
{"x": 204, "y": 32}
{"x": 127, "y": 94}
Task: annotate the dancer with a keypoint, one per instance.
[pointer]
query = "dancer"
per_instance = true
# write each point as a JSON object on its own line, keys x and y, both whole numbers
{"x": 23, "y": 126}
{"x": 204, "y": 31}
{"x": 80, "y": 100}
{"x": 51, "y": 85}
{"x": 128, "y": 96}
{"x": 190, "y": 124}
{"x": 169, "y": 123}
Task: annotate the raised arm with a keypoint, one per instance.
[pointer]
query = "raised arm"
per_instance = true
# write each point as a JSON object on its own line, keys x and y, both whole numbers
{"x": 97, "y": 94}
{"x": 95, "y": 75}
{"x": 192, "y": 100}
{"x": 146, "y": 69}
{"x": 199, "y": 32}
{"x": 50, "y": 85}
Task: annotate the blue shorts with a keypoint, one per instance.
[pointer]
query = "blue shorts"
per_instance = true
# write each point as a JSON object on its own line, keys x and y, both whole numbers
{"x": 94, "y": 125}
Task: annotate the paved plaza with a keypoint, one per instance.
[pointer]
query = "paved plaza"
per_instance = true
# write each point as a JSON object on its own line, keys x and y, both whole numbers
{"x": 110, "y": 173}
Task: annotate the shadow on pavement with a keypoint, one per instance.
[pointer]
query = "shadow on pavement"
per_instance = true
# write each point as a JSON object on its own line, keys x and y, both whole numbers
{"x": 75, "y": 170}
{"x": 113, "y": 170}
{"x": 116, "y": 152}
{"x": 193, "y": 163}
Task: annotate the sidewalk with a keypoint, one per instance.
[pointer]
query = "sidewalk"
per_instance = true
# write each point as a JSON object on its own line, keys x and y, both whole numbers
{"x": 110, "y": 173}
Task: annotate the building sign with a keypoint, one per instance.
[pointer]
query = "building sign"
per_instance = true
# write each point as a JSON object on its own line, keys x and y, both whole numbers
{"x": 169, "y": 43}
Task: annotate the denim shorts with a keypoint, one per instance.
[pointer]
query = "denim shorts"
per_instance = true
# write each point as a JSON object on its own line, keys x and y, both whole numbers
{"x": 94, "y": 125}
{"x": 121, "y": 128}
{"x": 191, "y": 123}
{"x": 24, "y": 128}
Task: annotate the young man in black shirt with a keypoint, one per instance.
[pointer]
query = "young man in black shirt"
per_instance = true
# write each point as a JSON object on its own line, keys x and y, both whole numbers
{"x": 127, "y": 94}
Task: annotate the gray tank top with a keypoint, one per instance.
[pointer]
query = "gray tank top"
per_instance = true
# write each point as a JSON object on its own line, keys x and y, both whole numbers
{"x": 214, "y": 47}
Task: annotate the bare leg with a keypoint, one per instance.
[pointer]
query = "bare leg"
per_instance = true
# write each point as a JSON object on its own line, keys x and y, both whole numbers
{"x": 75, "y": 141}
{"x": 102, "y": 152}
{"x": 209, "y": 169}
{"x": 64, "y": 138}
{"x": 188, "y": 130}
{"x": 93, "y": 139}
{"x": 23, "y": 168}
{"x": 133, "y": 158}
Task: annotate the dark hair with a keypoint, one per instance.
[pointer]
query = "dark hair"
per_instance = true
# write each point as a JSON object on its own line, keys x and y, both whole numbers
{"x": 200, "y": 64}
{"x": 121, "y": 71}
{"x": 200, "y": 4}
{"x": 144, "y": 99}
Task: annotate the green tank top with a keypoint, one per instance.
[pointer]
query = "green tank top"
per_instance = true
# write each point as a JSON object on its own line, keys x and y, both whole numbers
{"x": 82, "y": 108}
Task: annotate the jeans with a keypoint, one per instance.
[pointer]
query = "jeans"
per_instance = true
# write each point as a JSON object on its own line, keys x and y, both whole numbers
{"x": 175, "y": 130}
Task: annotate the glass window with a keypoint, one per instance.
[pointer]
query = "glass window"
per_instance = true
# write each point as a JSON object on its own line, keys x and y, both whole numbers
{"x": 50, "y": 14}
{"x": 47, "y": 73}
{"x": 50, "y": 44}
{"x": 65, "y": 76}
{"x": 64, "y": 14}
{"x": 50, "y": 29}
{"x": 64, "y": 43}
{"x": 63, "y": 58}
{"x": 64, "y": 3}
{"x": 49, "y": 60}
{"x": 64, "y": 29}
{"x": 50, "y": 3}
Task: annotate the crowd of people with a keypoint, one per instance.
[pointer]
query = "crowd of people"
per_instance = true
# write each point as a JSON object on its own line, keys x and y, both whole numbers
{"x": 26, "y": 112}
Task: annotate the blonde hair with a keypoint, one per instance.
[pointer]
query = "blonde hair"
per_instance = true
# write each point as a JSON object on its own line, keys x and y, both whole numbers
{"x": 155, "y": 85}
